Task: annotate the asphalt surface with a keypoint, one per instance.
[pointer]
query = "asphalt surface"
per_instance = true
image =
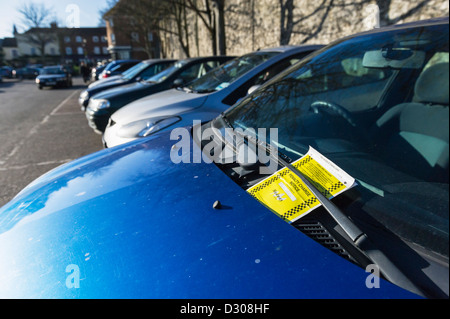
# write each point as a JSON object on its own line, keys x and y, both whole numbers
{"x": 39, "y": 130}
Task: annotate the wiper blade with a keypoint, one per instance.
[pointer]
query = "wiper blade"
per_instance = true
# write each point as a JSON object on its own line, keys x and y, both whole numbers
{"x": 185, "y": 89}
{"x": 387, "y": 268}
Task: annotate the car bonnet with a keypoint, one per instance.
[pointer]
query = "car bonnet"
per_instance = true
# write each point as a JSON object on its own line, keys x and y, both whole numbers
{"x": 166, "y": 103}
{"x": 124, "y": 89}
{"x": 133, "y": 224}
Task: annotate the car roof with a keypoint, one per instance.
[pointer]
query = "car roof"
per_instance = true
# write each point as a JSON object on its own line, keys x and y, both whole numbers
{"x": 287, "y": 48}
{"x": 158, "y": 60}
{"x": 415, "y": 24}
{"x": 204, "y": 58}
{"x": 124, "y": 61}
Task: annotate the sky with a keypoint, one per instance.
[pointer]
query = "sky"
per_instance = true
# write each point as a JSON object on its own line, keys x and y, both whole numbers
{"x": 72, "y": 13}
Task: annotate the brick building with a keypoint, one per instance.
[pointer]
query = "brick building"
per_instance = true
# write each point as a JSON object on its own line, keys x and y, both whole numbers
{"x": 80, "y": 44}
{"x": 128, "y": 39}
{"x": 60, "y": 46}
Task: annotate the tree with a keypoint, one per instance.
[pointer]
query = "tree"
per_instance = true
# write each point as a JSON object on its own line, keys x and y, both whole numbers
{"x": 37, "y": 17}
{"x": 385, "y": 7}
{"x": 289, "y": 22}
{"x": 219, "y": 9}
{"x": 207, "y": 16}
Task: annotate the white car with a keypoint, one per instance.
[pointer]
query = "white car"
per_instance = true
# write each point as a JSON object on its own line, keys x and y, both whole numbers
{"x": 203, "y": 99}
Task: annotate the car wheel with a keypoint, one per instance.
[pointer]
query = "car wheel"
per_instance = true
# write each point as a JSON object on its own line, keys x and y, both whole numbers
{"x": 40, "y": 87}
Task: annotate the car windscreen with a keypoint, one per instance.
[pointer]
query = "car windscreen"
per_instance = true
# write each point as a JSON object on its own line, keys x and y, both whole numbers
{"x": 134, "y": 71}
{"x": 229, "y": 72}
{"x": 375, "y": 105}
{"x": 49, "y": 71}
{"x": 158, "y": 78}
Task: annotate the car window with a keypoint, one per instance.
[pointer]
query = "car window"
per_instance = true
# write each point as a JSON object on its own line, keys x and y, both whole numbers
{"x": 123, "y": 67}
{"x": 229, "y": 72}
{"x": 192, "y": 72}
{"x": 134, "y": 70}
{"x": 153, "y": 70}
{"x": 160, "y": 77}
{"x": 49, "y": 71}
{"x": 347, "y": 79}
{"x": 377, "y": 106}
{"x": 263, "y": 77}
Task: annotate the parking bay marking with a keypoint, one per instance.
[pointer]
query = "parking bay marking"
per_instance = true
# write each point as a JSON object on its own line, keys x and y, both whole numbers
{"x": 34, "y": 129}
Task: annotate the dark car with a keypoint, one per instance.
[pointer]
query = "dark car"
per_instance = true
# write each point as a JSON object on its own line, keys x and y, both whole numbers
{"x": 95, "y": 71}
{"x": 6, "y": 72}
{"x": 140, "y": 72}
{"x": 26, "y": 73}
{"x": 182, "y": 72}
{"x": 184, "y": 215}
{"x": 117, "y": 67}
{"x": 54, "y": 76}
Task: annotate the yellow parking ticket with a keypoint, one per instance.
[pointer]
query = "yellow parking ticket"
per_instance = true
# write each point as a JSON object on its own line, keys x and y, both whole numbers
{"x": 286, "y": 195}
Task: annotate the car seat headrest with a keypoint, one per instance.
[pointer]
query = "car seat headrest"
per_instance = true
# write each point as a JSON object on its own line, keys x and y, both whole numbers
{"x": 432, "y": 85}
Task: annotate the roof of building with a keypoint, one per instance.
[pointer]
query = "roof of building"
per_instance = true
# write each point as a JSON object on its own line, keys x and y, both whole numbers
{"x": 9, "y": 43}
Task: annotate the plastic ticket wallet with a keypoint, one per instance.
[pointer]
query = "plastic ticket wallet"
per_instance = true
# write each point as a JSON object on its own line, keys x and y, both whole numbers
{"x": 286, "y": 195}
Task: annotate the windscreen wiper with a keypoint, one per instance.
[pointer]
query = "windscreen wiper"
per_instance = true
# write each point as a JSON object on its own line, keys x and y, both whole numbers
{"x": 360, "y": 239}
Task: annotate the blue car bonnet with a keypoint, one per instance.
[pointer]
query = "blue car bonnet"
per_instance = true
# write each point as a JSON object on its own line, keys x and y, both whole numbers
{"x": 128, "y": 223}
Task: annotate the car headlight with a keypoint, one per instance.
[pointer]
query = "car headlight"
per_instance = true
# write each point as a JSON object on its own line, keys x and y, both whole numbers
{"x": 38, "y": 81}
{"x": 84, "y": 95}
{"x": 99, "y": 104}
{"x": 143, "y": 128}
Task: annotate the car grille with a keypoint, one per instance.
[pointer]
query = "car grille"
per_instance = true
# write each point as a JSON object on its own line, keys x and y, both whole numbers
{"x": 320, "y": 234}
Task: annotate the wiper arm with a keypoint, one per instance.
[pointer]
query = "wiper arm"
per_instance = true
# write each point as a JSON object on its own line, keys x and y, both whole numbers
{"x": 387, "y": 268}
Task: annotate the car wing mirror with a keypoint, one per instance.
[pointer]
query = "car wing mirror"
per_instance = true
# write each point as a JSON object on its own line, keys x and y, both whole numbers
{"x": 177, "y": 83}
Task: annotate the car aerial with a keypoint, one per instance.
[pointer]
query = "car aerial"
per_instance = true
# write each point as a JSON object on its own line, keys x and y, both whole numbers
{"x": 53, "y": 76}
{"x": 202, "y": 99}
{"x": 117, "y": 67}
{"x": 182, "y": 214}
{"x": 103, "y": 104}
{"x": 26, "y": 73}
{"x": 141, "y": 71}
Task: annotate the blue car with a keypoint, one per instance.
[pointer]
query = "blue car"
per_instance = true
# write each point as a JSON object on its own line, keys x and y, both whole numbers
{"x": 117, "y": 67}
{"x": 215, "y": 211}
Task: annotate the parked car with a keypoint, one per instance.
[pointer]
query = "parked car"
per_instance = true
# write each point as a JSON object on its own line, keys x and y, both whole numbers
{"x": 95, "y": 72}
{"x": 117, "y": 67}
{"x": 202, "y": 99}
{"x": 26, "y": 73}
{"x": 54, "y": 76}
{"x": 130, "y": 222}
{"x": 6, "y": 72}
{"x": 103, "y": 104}
{"x": 140, "y": 72}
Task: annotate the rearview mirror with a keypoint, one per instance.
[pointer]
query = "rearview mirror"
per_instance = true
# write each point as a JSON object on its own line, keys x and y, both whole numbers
{"x": 395, "y": 58}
